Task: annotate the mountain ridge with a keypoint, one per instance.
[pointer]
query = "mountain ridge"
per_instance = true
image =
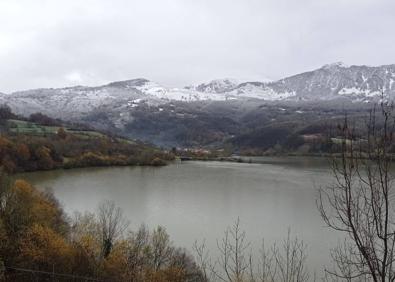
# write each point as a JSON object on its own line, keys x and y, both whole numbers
{"x": 121, "y": 101}
{"x": 213, "y": 112}
{"x": 230, "y": 88}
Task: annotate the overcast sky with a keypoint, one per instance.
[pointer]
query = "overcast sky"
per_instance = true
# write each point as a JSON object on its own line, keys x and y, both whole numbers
{"x": 51, "y": 43}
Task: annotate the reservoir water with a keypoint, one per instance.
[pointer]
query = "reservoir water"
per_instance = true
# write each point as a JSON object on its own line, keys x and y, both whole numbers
{"x": 198, "y": 200}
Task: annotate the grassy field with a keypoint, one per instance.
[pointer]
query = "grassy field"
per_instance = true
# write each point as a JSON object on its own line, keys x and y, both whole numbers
{"x": 31, "y": 128}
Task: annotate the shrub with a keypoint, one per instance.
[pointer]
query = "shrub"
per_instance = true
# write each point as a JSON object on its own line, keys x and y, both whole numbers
{"x": 158, "y": 162}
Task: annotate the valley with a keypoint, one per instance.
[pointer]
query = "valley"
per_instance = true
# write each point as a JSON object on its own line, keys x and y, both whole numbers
{"x": 290, "y": 115}
{"x": 197, "y": 141}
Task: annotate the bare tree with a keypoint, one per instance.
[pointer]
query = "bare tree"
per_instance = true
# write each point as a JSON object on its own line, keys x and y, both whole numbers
{"x": 266, "y": 268}
{"x": 161, "y": 247}
{"x": 137, "y": 253}
{"x": 290, "y": 261}
{"x": 236, "y": 263}
{"x": 152, "y": 252}
{"x": 203, "y": 260}
{"x": 234, "y": 260}
{"x": 360, "y": 203}
{"x": 112, "y": 224}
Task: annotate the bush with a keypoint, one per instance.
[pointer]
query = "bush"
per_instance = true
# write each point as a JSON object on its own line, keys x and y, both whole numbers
{"x": 43, "y": 119}
{"x": 158, "y": 162}
{"x": 36, "y": 234}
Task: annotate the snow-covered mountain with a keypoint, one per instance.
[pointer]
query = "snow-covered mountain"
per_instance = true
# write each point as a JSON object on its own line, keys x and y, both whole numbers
{"x": 356, "y": 83}
{"x": 151, "y": 90}
{"x": 216, "y": 86}
{"x": 336, "y": 80}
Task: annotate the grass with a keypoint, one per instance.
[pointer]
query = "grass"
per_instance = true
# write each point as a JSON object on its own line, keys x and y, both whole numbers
{"x": 34, "y": 129}
{"x": 31, "y": 128}
{"x": 25, "y": 127}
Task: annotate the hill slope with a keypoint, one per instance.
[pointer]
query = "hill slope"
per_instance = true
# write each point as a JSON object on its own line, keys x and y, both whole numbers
{"x": 208, "y": 113}
{"x": 27, "y": 145}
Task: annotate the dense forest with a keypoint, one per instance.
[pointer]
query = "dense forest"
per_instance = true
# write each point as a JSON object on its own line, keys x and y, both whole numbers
{"x": 250, "y": 127}
{"x": 42, "y": 143}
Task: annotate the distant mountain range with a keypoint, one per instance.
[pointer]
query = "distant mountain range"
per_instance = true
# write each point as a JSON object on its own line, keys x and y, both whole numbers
{"x": 359, "y": 83}
{"x": 119, "y": 104}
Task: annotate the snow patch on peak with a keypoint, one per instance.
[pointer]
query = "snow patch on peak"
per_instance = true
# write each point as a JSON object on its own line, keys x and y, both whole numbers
{"x": 358, "y": 91}
{"x": 224, "y": 81}
{"x": 132, "y": 83}
{"x": 260, "y": 91}
{"x": 179, "y": 94}
{"x": 335, "y": 65}
{"x": 215, "y": 86}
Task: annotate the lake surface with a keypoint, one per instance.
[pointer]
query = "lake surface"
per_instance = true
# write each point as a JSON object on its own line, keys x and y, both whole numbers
{"x": 198, "y": 200}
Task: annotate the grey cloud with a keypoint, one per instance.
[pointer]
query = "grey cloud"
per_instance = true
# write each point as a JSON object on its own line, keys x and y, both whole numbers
{"x": 178, "y": 42}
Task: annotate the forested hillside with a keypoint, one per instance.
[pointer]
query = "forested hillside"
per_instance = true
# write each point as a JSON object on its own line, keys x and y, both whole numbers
{"x": 43, "y": 143}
